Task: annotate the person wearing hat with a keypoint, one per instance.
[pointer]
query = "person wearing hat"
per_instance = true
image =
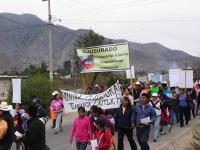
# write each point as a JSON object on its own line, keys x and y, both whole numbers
{"x": 57, "y": 106}
{"x": 156, "y": 104}
{"x": 6, "y": 142}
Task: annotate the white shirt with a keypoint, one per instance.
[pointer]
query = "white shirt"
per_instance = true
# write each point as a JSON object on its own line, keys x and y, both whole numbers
{"x": 157, "y": 106}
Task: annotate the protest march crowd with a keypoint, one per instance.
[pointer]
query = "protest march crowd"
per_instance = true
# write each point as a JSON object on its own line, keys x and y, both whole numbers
{"x": 143, "y": 106}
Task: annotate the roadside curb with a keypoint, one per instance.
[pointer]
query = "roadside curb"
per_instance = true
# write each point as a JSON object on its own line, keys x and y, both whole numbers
{"x": 171, "y": 143}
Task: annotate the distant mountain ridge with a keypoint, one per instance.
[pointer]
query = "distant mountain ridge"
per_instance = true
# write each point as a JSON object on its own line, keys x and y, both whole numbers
{"x": 24, "y": 41}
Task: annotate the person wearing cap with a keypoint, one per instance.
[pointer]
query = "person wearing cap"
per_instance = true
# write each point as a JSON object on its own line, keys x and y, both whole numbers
{"x": 137, "y": 90}
{"x": 57, "y": 107}
{"x": 6, "y": 142}
{"x": 143, "y": 116}
{"x": 35, "y": 138}
{"x": 41, "y": 110}
{"x": 156, "y": 104}
{"x": 154, "y": 88}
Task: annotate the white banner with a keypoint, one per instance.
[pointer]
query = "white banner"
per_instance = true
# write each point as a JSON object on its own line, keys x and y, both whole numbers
{"x": 16, "y": 84}
{"x": 111, "y": 98}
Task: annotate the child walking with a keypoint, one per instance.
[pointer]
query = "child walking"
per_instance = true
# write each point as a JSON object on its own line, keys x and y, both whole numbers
{"x": 103, "y": 136}
{"x": 110, "y": 115}
{"x": 82, "y": 129}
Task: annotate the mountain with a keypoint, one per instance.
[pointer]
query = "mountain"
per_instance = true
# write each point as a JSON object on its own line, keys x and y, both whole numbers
{"x": 24, "y": 41}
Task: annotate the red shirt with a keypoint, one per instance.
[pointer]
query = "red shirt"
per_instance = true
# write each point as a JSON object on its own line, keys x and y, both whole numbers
{"x": 104, "y": 139}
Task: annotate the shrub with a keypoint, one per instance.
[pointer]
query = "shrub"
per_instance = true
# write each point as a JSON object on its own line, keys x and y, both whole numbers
{"x": 196, "y": 139}
{"x": 35, "y": 86}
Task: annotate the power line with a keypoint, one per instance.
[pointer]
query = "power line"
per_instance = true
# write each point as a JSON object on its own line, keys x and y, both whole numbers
{"x": 186, "y": 19}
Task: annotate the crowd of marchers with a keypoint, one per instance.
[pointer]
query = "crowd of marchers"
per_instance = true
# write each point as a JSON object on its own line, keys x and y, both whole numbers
{"x": 143, "y": 106}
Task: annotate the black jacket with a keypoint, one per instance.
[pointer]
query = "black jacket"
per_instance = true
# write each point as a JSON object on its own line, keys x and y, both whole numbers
{"x": 35, "y": 135}
{"x": 8, "y": 137}
{"x": 123, "y": 120}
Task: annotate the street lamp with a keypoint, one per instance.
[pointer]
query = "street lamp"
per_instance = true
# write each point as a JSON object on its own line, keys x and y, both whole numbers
{"x": 50, "y": 41}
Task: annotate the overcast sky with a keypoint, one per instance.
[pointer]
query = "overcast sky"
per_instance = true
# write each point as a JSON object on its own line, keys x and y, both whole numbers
{"x": 173, "y": 23}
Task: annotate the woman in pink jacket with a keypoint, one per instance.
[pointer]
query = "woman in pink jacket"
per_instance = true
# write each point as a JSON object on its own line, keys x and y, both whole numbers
{"x": 81, "y": 128}
{"x": 57, "y": 107}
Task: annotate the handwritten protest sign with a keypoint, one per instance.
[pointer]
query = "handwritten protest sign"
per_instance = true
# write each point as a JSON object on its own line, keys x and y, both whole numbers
{"x": 108, "y": 99}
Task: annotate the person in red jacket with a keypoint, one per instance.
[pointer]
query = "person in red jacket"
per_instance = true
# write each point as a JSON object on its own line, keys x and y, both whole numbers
{"x": 103, "y": 136}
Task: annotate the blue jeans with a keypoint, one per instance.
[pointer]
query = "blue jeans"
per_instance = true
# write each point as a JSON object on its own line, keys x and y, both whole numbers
{"x": 143, "y": 137}
{"x": 6, "y": 146}
{"x": 171, "y": 116}
{"x": 176, "y": 112}
{"x": 81, "y": 145}
{"x": 58, "y": 126}
{"x": 156, "y": 127}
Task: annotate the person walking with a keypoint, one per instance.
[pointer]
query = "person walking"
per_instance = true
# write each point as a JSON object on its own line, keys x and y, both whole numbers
{"x": 7, "y": 140}
{"x": 123, "y": 124}
{"x": 96, "y": 113}
{"x": 41, "y": 111}
{"x": 35, "y": 135}
{"x": 57, "y": 107}
{"x": 81, "y": 128}
{"x": 156, "y": 104}
{"x": 183, "y": 103}
{"x": 143, "y": 116}
{"x": 103, "y": 136}
{"x": 127, "y": 92}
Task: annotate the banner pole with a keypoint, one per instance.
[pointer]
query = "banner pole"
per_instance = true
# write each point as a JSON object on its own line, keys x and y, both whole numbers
{"x": 131, "y": 79}
{"x": 185, "y": 77}
{"x": 84, "y": 85}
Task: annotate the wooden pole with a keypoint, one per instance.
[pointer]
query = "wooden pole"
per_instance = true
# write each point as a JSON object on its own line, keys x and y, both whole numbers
{"x": 84, "y": 85}
{"x": 185, "y": 76}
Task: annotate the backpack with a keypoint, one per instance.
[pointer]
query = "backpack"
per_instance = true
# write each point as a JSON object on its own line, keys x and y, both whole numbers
{"x": 3, "y": 128}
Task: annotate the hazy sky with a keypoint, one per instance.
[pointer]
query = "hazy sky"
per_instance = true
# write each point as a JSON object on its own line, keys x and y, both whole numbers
{"x": 173, "y": 23}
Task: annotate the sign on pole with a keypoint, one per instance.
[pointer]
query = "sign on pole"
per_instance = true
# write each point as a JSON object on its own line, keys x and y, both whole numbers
{"x": 16, "y": 84}
{"x": 110, "y": 98}
{"x": 113, "y": 57}
{"x": 181, "y": 78}
{"x": 155, "y": 77}
{"x": 130, "y": 73}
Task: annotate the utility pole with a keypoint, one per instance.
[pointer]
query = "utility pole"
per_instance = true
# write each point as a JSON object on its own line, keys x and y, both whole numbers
{"x": 50, "y": 41}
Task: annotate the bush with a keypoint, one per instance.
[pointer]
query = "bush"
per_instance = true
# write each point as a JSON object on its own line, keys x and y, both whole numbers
{"x": 196, "y": 139}
{"x": 35, "y": 86}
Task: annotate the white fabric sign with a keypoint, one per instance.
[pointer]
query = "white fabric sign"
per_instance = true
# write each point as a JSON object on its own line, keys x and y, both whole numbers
{"x": 16, "y": 83}
{"x": 174, "y": 77}
{"x": 186, "y": 79}
{"x": 130, "y": 73}
{"x": 181, "y": 78}
{"x": 110, "y": 98}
